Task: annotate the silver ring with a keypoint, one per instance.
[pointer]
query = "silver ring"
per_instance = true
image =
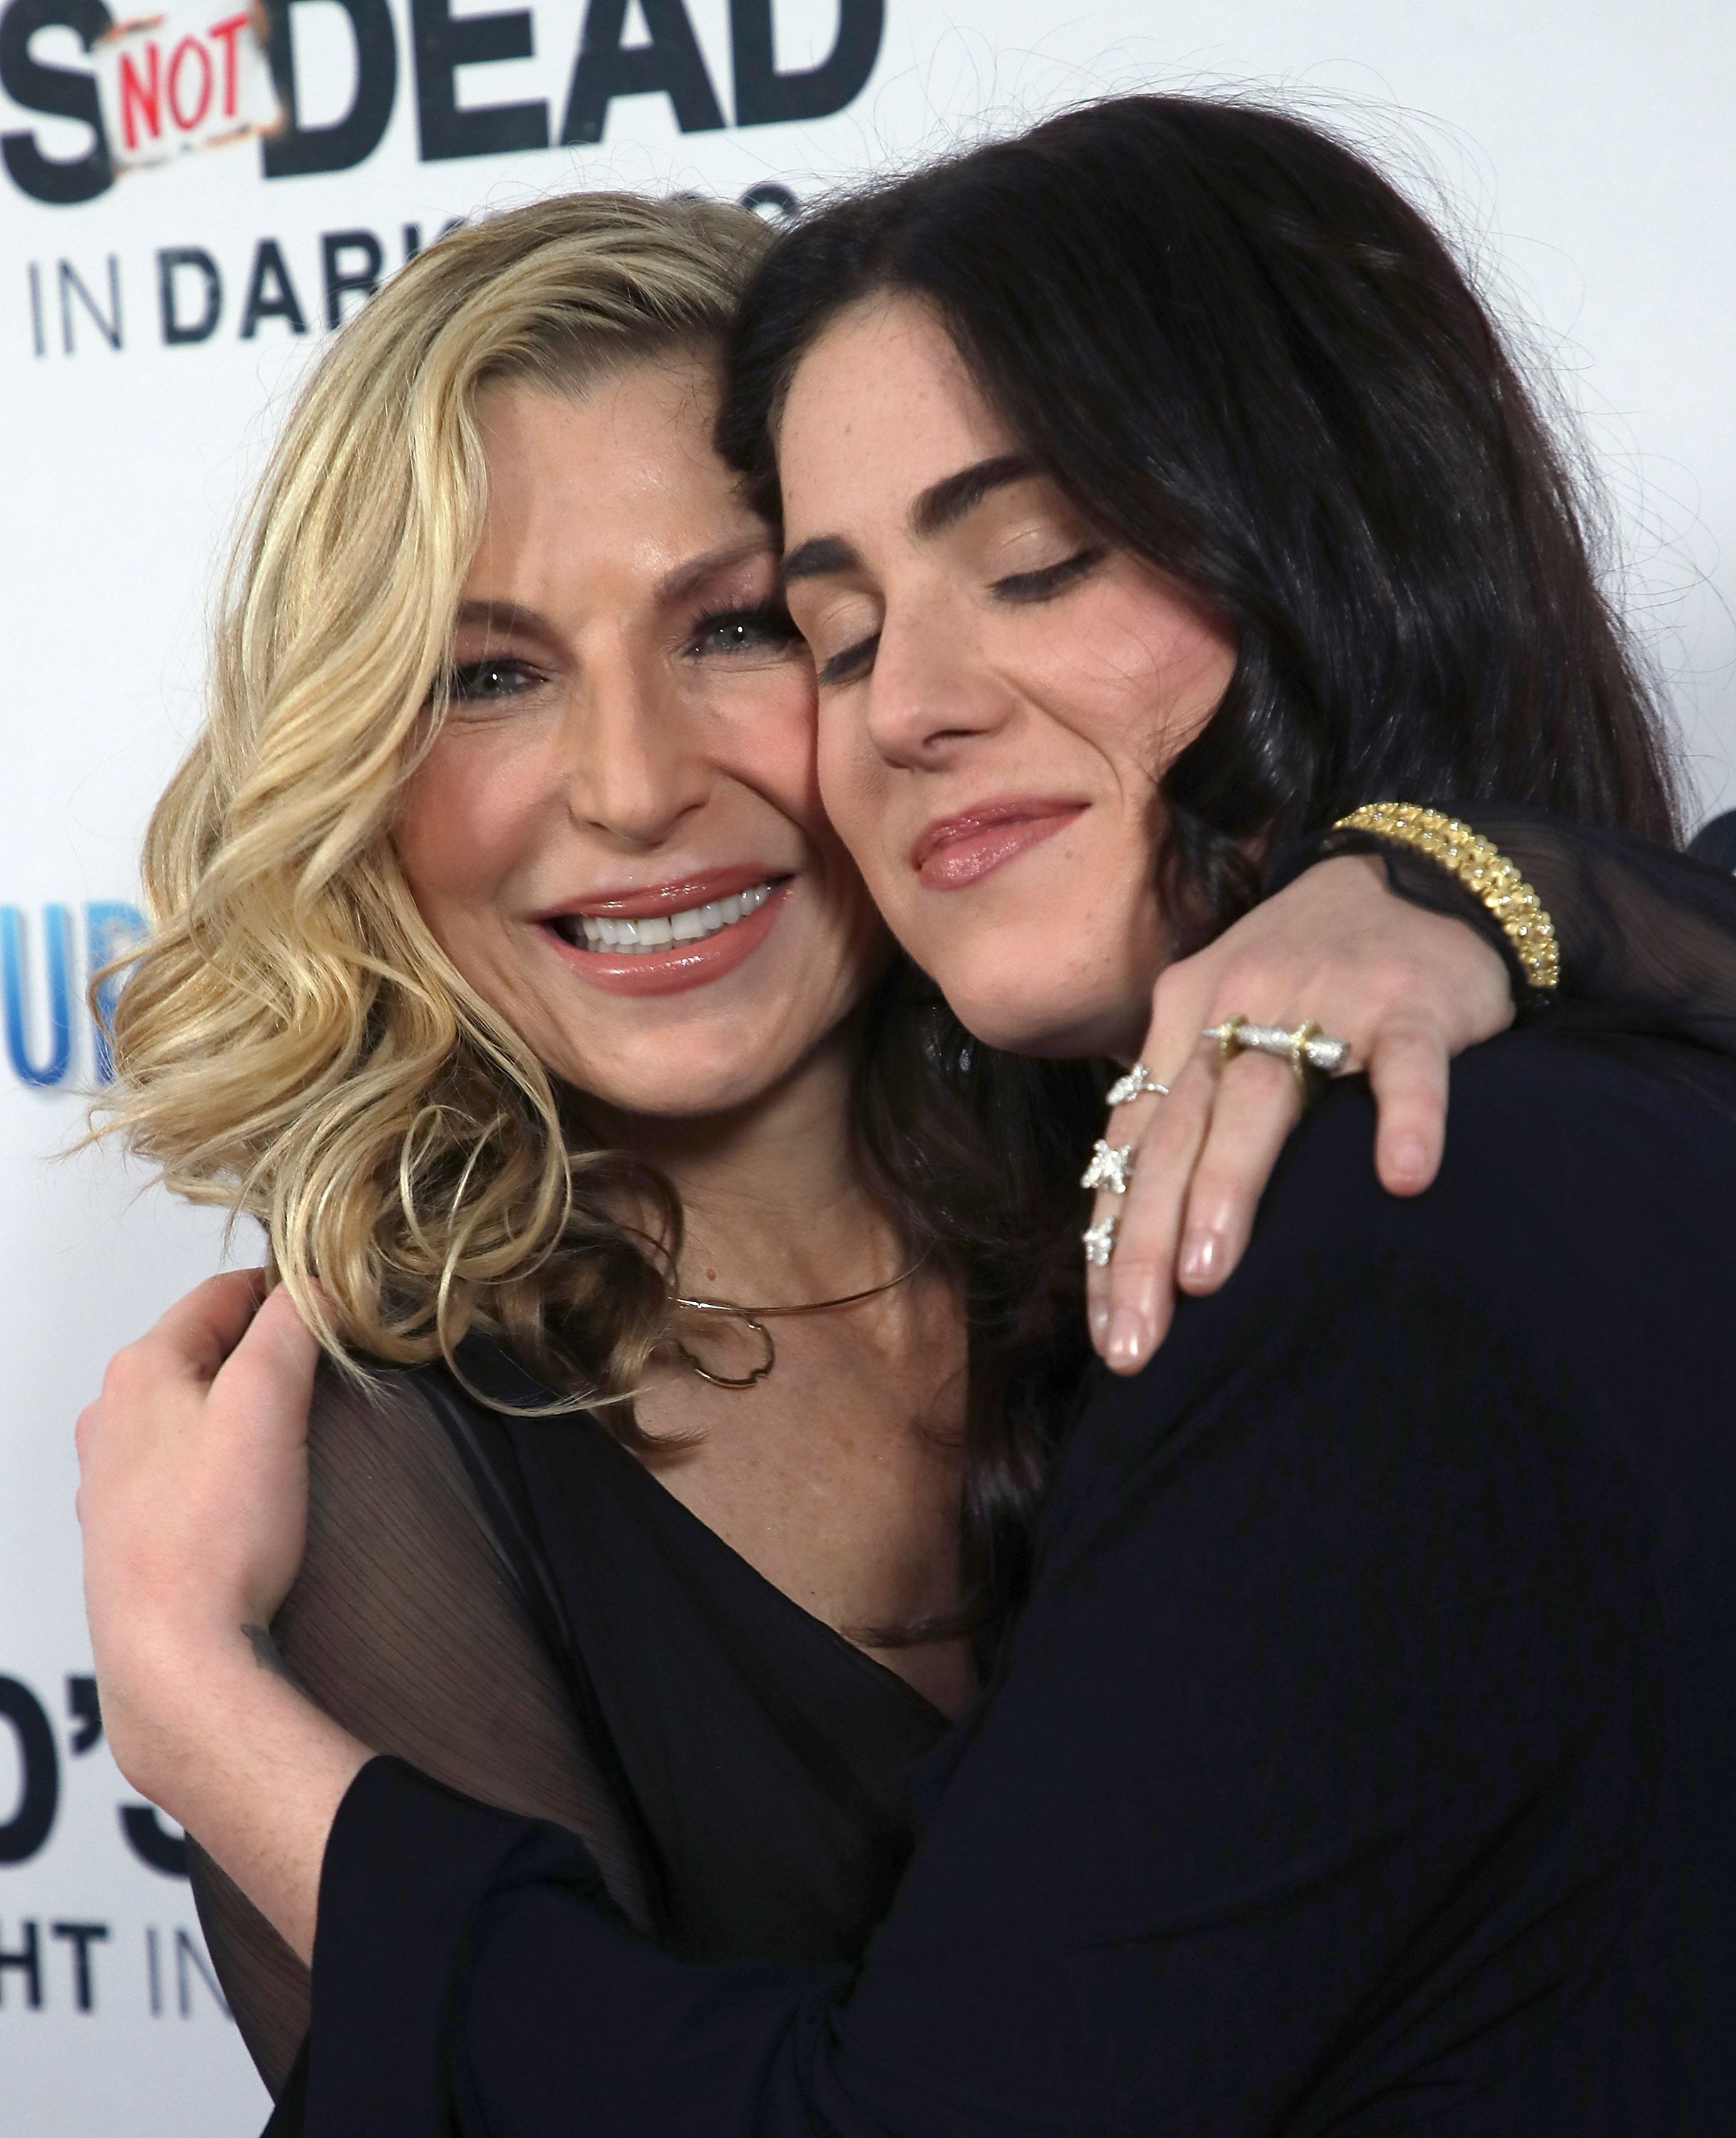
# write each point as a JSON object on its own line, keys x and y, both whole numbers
{"x": 1306, "y": 1043}
{"x": 1100, "y": 1241}
{"x": 1138, "y": 1080}
{"x": 1111, "y": 1165}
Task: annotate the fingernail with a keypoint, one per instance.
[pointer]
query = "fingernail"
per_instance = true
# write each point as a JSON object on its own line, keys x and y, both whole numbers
{"x": 1099, "y": 1314}
{"x": 1127, "y": 1338}
{"x": 1408, "y": 1159}
{"x": 1199, "y": 1251}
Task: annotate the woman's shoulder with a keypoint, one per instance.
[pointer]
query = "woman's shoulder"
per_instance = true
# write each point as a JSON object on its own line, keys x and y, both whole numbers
{"x": 1543, "y": 1324}
{"x": 1561, "y": 1147}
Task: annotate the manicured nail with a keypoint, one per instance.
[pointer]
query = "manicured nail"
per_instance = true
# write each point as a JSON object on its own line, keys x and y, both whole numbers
{"x": 1127, "y": 1338}
{"x": 1199, "y": 1253}
{"x": 1408, "y": 1159}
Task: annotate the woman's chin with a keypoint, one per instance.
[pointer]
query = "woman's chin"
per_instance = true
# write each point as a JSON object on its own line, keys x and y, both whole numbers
{"x": 1053, "y": 1022}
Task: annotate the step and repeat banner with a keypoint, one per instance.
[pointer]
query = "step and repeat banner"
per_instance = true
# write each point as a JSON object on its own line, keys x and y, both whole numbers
{"x": 195, "y": 195}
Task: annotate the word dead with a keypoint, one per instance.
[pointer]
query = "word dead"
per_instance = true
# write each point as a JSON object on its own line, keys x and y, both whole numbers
{"x": 199, "y": 76}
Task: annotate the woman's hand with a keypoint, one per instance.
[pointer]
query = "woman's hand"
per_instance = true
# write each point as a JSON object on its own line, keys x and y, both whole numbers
{"x": 1407, "y": 990}
{"x": 192, "y": 1498}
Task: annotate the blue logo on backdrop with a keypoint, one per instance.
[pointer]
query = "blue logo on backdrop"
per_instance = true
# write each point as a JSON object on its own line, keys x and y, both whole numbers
{"x": 42, "y": 977}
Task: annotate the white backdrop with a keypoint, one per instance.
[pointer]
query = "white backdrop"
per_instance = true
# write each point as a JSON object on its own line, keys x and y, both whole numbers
{"x": 150, "y": 324}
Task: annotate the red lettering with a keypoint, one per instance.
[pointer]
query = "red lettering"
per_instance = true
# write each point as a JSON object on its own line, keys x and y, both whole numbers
{"x": 141, "y": 99}
{"x": 185, "y": 121}
{"x": 226, "y": 34}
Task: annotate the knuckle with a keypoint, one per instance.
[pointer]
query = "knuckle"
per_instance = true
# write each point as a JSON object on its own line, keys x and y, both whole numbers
{"x": 122, "y": 1372}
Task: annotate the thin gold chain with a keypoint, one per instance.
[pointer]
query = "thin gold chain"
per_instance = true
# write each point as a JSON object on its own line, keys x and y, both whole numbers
{"x": 755, "y": 1318}
{"x": 808, "y": 1306}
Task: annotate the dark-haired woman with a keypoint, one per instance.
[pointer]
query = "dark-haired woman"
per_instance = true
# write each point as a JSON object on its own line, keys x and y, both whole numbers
{"x": 1361, "y": 1759}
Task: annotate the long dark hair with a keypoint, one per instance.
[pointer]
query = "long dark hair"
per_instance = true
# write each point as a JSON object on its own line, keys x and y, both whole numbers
{"x": 1251, "y": 362}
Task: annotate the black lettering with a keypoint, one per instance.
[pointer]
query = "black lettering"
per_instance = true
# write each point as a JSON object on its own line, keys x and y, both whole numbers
{"x": 175, "y": 260}
{"x": 270, "y": 293}
{"x": 189, "y": 1961}
{"x": 83, "y": 1936}
{"x": 39, "y": 1767}
{"x": 82, "y": 1703}
{"x": 28, "y": 1958}
{"x": 59, "y": 93}
{"x": 443, "y": 44}
{"x": 763, "y": 97}
{"x": 341, "y": 281}
{"x": 671, "y": 65}
{"x": 347, "y": 141}
{"x": 72, "y": 284}
{"x": 152, "y": 1843}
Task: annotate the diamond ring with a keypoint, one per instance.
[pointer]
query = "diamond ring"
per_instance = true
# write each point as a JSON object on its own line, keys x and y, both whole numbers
{"x": 1306, "y": 1047}
{"x": 1138, "y": 1080}
{"x": 1110, "y": 1165}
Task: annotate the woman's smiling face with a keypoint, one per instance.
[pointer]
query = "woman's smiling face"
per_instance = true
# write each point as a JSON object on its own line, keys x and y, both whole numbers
{"x": 617, "y": 836}
{"x": 1000, "y": 689}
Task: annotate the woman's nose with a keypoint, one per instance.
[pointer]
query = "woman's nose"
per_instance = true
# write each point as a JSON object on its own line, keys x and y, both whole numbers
{"x": 634, "y": 771}
{"x": 931, "y": 689}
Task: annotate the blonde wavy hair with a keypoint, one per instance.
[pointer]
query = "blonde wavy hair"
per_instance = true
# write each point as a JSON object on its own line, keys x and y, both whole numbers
{"x": 291, "y": 1043}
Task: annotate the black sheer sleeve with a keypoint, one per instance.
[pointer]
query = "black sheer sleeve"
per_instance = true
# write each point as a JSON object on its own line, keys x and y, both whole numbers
{"x": 1647, "y": 935}
{"x": 405, "y": 1624}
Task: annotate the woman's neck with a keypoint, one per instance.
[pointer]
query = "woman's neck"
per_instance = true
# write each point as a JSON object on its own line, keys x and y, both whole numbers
{"x": 777, "y": 1208}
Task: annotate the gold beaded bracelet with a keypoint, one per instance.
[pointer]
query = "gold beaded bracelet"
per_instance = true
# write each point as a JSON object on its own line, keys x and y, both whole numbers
{"x": 1482, "y": 868}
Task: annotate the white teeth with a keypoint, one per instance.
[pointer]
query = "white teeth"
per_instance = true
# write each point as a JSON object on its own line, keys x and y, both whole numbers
{"x": 691, "y": 925}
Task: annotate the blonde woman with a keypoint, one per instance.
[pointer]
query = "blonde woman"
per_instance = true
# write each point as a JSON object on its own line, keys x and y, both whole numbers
{"x": 696, "y": 1326}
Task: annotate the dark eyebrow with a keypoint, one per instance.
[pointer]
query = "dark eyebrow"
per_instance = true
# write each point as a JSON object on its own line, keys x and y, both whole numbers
{"x": 939, "y": 506}
{"x": 946, "y": 502}
{"x": 819, "y": 558}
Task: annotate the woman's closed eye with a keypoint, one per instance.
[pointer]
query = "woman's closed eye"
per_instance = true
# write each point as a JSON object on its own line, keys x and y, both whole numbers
{"x": 853, "y": 662}
{"x": 1050, "y": 579}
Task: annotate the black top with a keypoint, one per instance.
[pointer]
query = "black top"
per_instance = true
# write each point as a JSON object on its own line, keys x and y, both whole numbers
{"x": 758, "y": 1757}
{"x": 1364, "y": 1760}
{"x": 518, "y": 1605}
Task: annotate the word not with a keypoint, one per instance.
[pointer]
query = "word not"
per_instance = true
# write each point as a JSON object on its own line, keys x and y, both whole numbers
{"x": 38, "y": 991}
{"x": 669, "y": 63}
{"x": 173, "y": 82}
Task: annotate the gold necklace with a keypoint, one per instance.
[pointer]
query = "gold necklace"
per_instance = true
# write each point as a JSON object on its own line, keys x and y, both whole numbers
{"x": 756, "y": 1317}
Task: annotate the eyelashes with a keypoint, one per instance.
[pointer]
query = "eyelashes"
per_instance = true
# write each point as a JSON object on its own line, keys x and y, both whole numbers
{"x": 494, "y": 677}
{"x": 852, "y": 660}
{"x": 1035, "y": 586}
{"x": 1051, "y": 579}
{"x": 744, "y": 630}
